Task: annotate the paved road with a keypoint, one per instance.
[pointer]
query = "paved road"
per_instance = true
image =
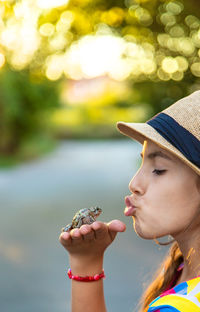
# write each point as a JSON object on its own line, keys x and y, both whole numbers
{"x": 40, "y": 197}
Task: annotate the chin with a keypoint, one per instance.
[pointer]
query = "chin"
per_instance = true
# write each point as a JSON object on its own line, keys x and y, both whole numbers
{"x": 145, "y": 234}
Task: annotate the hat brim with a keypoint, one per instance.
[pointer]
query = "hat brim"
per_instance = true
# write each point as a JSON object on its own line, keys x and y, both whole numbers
{"x": 142, "y": 131}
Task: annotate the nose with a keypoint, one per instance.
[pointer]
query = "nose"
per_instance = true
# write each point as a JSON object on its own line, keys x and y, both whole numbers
{"x": 136, "y": 185}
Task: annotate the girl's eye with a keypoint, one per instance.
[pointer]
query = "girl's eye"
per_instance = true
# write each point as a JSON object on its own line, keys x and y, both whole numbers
{"x": 158, "y": 172}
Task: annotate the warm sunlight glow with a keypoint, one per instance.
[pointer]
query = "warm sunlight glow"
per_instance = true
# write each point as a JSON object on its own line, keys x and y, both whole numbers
{"x": 98, "y": 55}
{"x": 47, "y": 29}
{"x": 169, "y": 65}
{"x": 2, "y": 60}
{"x": 21, "y": 37}
{"x": 54, "y": 67}
{"x": 35, "y": 33}
{"x": 48, "y": 4}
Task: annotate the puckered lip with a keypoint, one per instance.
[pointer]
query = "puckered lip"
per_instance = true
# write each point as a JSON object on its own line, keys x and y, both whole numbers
{"x": 129, "y": 202}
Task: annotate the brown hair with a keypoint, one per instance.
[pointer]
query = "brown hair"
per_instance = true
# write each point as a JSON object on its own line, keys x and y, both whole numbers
{"x": 163, "y": 276}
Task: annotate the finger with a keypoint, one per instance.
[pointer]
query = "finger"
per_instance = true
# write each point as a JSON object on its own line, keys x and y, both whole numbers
{"x": 87, "y": 232}
{"x": 116, "y": 226}
{"x": 100, "y": 229}
{"x": 76, "y": 236}
{"x": 65, "y": 239}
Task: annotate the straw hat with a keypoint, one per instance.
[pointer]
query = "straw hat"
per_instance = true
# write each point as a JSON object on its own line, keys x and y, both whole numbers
{"x": 175, "y": 129}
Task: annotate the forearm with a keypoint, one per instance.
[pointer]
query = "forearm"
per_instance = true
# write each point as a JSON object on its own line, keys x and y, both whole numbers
{"x": 86, "y": 247}
{"x": 87, "y": 296}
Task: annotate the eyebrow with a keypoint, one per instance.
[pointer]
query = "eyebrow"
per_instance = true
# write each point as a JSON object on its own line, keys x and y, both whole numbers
{"x": 157, "y": 154}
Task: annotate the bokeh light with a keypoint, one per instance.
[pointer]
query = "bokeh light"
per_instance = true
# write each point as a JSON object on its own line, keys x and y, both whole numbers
{"x": 2, "y": 60}
{"x": 174, "y": 7}
{"x": 54, "y": 65}
{"x": 47, "y": 30}
{"x": 169, "y": 65}
{"x": 48, "y": 4}
{"x": 195, "y": 69}
{"x": 122, "y": 43}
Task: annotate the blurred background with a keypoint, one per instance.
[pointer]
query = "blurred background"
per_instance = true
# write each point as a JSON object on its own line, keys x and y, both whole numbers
{"x": 69, "y": 70}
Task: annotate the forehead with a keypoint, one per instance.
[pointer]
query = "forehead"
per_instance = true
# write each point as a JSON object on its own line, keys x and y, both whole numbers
{"x": 152, "y": 150}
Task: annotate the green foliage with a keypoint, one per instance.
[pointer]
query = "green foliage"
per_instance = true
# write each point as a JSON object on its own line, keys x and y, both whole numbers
{"x": 159, "y": 95}
{"x": 162, "y": 40}
{"x": 25, "y": 106}
{"x": 161, "y": 37}
{"x": 36, "y": 146}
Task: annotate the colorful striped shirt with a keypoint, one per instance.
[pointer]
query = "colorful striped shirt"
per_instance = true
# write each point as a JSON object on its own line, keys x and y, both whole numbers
{"x": 184, "y": 297}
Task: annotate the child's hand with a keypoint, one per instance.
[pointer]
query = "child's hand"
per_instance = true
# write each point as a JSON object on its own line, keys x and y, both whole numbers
{"x": 88, "y": 243}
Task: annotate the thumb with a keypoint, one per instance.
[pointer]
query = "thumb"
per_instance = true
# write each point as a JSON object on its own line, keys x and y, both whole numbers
{"x": 115, "y": 226}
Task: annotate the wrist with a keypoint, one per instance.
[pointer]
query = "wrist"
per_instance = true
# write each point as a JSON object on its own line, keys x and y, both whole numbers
{"x": 87, "y": 278}
{"x": 81, "y": 266}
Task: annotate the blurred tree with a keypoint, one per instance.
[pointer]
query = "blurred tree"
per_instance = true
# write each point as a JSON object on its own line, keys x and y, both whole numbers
{"x": 25, "y": 106}
{"x": 154, "y": 45}
{"x": 160, "y": 38}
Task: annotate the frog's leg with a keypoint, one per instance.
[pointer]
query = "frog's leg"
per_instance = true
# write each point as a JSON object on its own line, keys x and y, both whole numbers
{"x": 67, "y": 228}
{"x": 91, "y": 219}
{"x": 80, "y": 222}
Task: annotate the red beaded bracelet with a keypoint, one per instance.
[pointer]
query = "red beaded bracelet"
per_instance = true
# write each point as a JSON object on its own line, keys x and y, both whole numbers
{"x": 94, "y": 278}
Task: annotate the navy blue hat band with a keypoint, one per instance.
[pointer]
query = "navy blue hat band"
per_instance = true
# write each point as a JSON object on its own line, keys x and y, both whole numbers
{"x": 178, "y": 136}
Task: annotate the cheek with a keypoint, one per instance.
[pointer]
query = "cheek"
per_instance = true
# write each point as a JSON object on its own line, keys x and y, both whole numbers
{"x": 169, "y": 207}
{"x": 186, "y": 199}
{"x": 174, "y": 197}
{"x": 155, "y": 217}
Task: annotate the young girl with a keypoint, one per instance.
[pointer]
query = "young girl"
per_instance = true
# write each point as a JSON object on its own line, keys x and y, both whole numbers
{"x": 164, "y": 200}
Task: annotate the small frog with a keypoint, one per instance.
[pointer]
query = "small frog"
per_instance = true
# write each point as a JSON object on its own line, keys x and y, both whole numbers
{"x": 83, "y": 216}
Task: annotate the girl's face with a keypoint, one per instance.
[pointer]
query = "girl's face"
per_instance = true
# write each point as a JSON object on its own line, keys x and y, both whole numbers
{"x": 166, "y": 194}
